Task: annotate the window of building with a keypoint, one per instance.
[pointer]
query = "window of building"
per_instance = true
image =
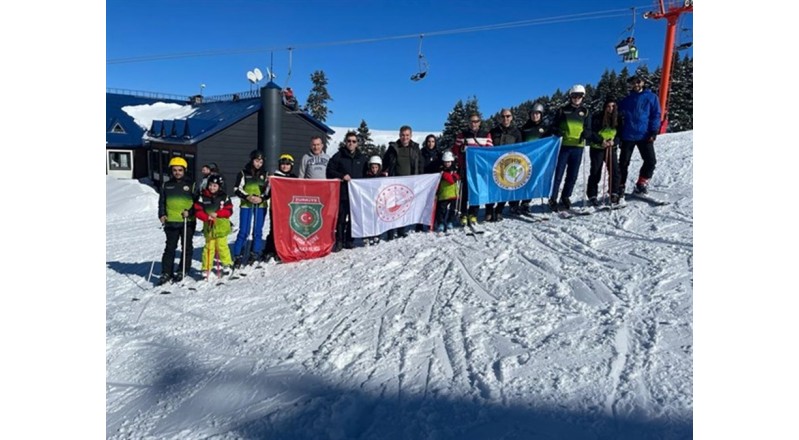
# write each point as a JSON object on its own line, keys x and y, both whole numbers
{"x": 118, "y": 129}
{"x": 119, "y": 160}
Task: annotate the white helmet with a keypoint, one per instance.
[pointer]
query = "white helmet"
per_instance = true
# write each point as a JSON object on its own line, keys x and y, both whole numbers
{"x": 577, "y": 88}
{"x": 376, "y": 159}
{"x": 447, "y": 157}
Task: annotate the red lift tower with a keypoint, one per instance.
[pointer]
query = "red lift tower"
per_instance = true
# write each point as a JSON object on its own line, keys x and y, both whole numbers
{"x": 671, "y": 12}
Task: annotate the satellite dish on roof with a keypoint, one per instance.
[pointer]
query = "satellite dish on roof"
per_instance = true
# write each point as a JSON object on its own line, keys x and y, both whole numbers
{"x": 251, "y": 76}
{"x": 258, "y": 75}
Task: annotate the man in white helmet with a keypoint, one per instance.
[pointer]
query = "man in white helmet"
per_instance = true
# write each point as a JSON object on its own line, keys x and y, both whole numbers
{"x": 573, "y": 124}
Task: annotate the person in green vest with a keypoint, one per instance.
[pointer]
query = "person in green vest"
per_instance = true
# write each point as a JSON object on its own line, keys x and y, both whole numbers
{"x": 251, "y": 188}
{"x": 446, "y": 209}
{"x": 214, "y": 208}
{"x": 176, "y": 213}
{"x": 604, "y": 143}
{"x": 573, "y": 124}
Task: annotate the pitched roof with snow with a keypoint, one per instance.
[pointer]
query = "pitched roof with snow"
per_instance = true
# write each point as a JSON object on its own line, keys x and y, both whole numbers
{"x": 121, "y": 129}
{"x": 175, "y": 121}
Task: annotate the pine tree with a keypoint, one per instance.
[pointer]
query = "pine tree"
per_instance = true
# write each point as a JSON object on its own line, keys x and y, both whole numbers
{"x": 471, "y": 107}
{"x": 457, "y": 121}
{"x": 453, "y": 125}
{"x": 316, "y": 104}
{"x": 365, "y": 143}
{"x": 680, "y": 103}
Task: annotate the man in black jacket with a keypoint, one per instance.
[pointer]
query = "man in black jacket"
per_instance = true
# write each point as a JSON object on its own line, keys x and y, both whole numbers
{"x": 503, "y": 134}
{"x": 347, "y": 164}
{"x": 176, "y": 212}
{"x": 535, "y": 128}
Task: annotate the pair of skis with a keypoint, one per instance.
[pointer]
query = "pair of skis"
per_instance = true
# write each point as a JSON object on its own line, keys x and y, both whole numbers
{"x": 654, "y": 201}
{"x": 168, "y": 289}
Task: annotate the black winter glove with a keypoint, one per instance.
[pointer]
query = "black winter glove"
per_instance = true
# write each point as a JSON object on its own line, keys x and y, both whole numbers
{"x": 652, "y": 136}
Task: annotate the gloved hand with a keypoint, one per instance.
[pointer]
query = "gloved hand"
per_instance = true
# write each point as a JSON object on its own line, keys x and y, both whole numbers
{"x": 651, "y": 136}
{"x": 185, "y": 213}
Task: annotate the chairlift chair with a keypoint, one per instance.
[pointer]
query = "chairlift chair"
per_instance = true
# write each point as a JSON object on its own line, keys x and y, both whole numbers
{"x": 422, "y": 63}
{"x": 626, "y": 47}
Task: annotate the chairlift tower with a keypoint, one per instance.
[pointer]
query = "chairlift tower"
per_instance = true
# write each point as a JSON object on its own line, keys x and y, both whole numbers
{"x": 671, "y": 12}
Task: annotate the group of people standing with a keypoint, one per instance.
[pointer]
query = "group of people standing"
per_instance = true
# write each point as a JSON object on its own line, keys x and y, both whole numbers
{"x": 632, "y": 122}
{"x": 181, "y": 204}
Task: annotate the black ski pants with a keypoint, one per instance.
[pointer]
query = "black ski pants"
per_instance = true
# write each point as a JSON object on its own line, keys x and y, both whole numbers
{"x": 445, "y": 212}
{"x": 344, "y": 224}
{"x": 599, "y": 157}
{"x": 465, "y": 208}
{"x": 174, "y": 232}
{"x": 647, "y": 150}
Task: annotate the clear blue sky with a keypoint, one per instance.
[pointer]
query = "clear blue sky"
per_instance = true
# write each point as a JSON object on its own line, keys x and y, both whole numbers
{"x": 371, "y": 80}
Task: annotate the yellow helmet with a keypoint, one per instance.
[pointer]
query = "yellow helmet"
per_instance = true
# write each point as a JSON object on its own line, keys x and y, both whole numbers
{"x": 286, "y": 158}
{"x": 178, "y": 162}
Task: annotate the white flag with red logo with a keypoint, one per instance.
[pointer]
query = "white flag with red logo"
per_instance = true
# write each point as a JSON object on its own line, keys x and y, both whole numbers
{"x": 380, "y": 204}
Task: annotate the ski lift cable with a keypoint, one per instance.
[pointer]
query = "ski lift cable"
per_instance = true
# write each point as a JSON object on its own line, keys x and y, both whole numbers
{"x": 596, "y": 15}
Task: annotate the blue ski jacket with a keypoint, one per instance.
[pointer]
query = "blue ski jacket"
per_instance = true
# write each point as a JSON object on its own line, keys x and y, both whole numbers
{"x": 640, "y": 115}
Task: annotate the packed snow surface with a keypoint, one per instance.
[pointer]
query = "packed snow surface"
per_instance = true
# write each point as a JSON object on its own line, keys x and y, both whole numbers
{"x": 574, "y": 328}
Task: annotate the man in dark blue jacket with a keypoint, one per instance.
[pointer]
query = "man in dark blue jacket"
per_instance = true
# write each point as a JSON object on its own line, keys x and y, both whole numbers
{"x": 640, "y": 114}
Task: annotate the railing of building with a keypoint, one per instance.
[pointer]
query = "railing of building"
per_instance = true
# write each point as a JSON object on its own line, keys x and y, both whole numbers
{"x": 216, "y": 98}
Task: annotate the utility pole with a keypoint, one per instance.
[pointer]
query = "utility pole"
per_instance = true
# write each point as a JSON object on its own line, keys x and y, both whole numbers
{"x": 671, "y": 13}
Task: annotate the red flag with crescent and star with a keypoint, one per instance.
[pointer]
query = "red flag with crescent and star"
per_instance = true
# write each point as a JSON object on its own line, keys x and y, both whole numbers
{"x": 305, "y": 212}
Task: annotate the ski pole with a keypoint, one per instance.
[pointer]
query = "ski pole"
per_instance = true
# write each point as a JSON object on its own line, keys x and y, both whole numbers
{"x": 151, "y": 271}
{"x": 606, "y": 192}
{"x": 218, "y": 261}
{"x": 152, "y": 266}
{"x": 457, "y": 199}
{"x": 183, "y": 257}
{"x": 251, "y": 235}
{"x": 585, "y": 190}
{"x": 209, "y": 243}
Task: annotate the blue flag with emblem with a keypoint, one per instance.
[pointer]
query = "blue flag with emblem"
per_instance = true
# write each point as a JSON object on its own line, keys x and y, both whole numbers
{"x": 511, "y": 172}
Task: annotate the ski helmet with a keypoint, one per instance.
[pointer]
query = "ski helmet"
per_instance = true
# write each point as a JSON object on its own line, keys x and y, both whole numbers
{"x": 178, "y": 162}
{"x": 538, "y": 108}
{"x": 447, "y": 157}
{"x": 286, "y": 159}
{"x": 216, "y": 178}
{"x": 577, "y": 88}
{"x": 256, "y": 154}
{"x": 376, "y": 159}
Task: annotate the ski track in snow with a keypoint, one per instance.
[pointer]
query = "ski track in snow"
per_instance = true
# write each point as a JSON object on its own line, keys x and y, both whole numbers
{"x": 569, "y": 328}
